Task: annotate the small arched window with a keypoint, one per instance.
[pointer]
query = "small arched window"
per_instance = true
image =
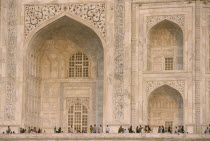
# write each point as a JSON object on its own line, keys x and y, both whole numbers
{"x": 79, "y": 65}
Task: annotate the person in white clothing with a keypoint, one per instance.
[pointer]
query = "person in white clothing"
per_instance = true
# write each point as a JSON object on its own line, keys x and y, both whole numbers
{"x": 107, "y": 129}
{"x": 71, "y": 129}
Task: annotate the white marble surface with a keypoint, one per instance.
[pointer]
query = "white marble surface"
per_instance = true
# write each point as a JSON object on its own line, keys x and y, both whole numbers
{"x": 127, "y": 136}
{"x": 136, "y": 77}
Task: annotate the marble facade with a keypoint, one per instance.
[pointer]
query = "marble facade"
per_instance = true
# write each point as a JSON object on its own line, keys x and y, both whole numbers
{"x": 148, "y": 63}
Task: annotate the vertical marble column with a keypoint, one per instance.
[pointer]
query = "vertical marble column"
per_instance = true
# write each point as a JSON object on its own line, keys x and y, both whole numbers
{"x": 134, "y": 80}
{"x": 10, "y": 98}
{"x": 118, "y": 96}
{"x": 197, "y": 66}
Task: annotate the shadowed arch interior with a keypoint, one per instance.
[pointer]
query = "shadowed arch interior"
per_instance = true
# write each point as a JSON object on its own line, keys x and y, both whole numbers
{"x": 47, "y": 69}
{"x": 165, "y": 47}
{"x": 165, "y": 104}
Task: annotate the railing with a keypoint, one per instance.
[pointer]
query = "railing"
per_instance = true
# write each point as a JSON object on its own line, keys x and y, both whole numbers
{"x": 95, "y": 137}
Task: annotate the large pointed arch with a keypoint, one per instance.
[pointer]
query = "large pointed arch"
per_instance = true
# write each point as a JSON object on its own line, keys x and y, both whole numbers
{"x": 56, "y": 37}
{"x": 43, "y": 25}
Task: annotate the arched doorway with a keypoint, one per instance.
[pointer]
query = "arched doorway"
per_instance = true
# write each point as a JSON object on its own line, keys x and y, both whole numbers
{"x": 165, "y": 47}
{"x": 65, "y": 60}
{"x": 78, "y": 116}
{"x": 165, "y": 108}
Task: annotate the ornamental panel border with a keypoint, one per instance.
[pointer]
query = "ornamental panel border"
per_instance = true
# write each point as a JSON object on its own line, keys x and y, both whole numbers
{"x": 94, "y": 13}
{"x": 153, "y": 20}
{"x": 179, "y": 85}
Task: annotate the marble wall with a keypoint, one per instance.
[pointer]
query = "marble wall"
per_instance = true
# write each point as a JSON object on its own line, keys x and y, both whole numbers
{"x": 38, "y": 37}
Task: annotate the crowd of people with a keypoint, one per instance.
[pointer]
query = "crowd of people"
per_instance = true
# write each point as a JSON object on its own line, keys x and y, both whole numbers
{"x": 99, "y": 129}
{"x": 23, "y": 130}
{"x": 180, "y": 129}
{"x": 95, "y": 129}
{"x": 58, "y": 131}
{"x": 9, "y": 131}
{"x": 147, "y": 129}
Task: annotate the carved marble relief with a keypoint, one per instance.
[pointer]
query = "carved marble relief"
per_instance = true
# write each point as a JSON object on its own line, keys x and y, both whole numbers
{"x": 71, "y": 101}
{"x": 153, "y": 20}
{"x": 37, "y": 14}
{"x": 9, "y": 109}
{"x": 119, "y": 61}
{"x": 197, "y": 65}
{"x": 176, "y": 84}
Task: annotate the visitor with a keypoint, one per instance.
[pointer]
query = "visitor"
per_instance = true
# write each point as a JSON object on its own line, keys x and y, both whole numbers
{"x": 159, "y": 129}
{"x": 123, "y": 130}
{"x": 94, "y": 129}
{"x": 107, "y": 129}
{"x": 100, "y": 129}
{"x": 91, "y": 129}
{"x": 55, "y": 129}
{"x": 149, "y": 129}
{"x": 206, "y": 131}
{"x": 130, "y": 129}
{"x": 59, "y": 130}
{"x": 71, "y": 129}
{"x": 176, "y": 130}
{"x": 163, "y": 129}
{"x": 137, "y": 129}
{"x": 39, "y": 131}
{"x": 182, "y": 129}
{"x": 29, "y": 130}
{"x": 34, "y": 130}
{"x": 169, "y": 130}
{"x": 8, "y": 131}
{"x": 140, "y": 129}
{"x": 209, "y": 128}
{"x": 120, "y": 130}
{"x": 146, "y": 129}
{"x": 21, "y": 130}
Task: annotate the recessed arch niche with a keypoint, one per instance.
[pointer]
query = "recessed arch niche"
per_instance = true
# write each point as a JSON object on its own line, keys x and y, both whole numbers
{"x": 165, "y": 47}
{"x": 165, "y": 105}
{"x": 47, "y": 68}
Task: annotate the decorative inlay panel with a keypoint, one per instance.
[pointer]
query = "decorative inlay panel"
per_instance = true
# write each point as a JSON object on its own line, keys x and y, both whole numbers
{"x": 37, "y": 14}
{"x": 153, "y": 20}
{"x": 71, "y": 101}
{"x": 197, "y": 65}
{"x": 9, "y": 109}
{"x": 118, "y": 59}
{"x": 178, "y": 85}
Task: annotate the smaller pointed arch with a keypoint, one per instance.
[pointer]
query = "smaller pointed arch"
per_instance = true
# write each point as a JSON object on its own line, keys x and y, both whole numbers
{"x": 165, "y": 47}
{"x": 170, "y": 103}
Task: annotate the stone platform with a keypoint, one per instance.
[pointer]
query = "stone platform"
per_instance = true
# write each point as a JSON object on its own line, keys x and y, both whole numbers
{"x": 105, "y": 137}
